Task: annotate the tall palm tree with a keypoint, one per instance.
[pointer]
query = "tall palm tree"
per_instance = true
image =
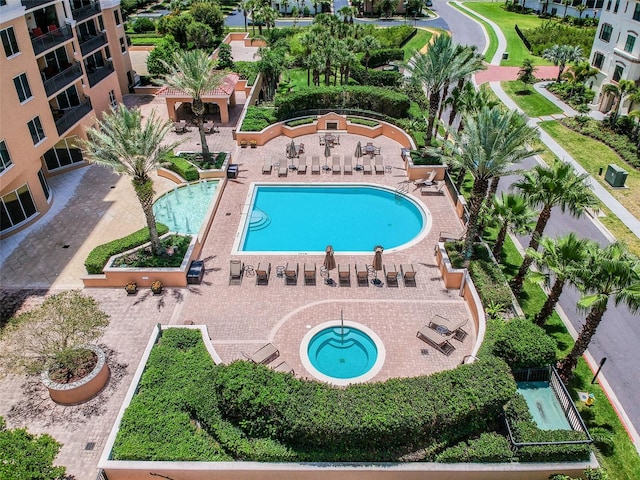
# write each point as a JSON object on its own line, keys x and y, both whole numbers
{"x": 193, "y": 72}
{"x": 367, "y": 44}
{"x": 470, "y": 61}
{"x": 492, "y": 141}
{"x": 560, "y": 55}
{"x": 563, "y": 260}
{"x": 547, "y": 187}
{"x": 612, "y": 273}
{"x": 123, "y": 143}
{"x": 247, "y": 7}
{"x": 512, "y": 212}
{"x": 619, "y": 92}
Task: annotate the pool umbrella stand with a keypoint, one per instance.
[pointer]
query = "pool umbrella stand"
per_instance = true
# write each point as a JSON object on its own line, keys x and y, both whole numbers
{"x": 358, "y": 155}
{"x": 377, "y": 265}
{"x": 291, "y": 154}
{"x": 327, "y": 154}
{"x": 329, "y": 263}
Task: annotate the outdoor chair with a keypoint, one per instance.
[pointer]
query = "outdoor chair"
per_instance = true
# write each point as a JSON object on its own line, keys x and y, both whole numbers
{"x": 451, "y": 237}
{"x": 335, "y": 164}
{"x": 291, "y": 274}
{"x": 428, "y": 180}
{"x": 391, "y": 275}
{"x": 315, "y": 164}
{"x": 283, "y": 367}
{"x": 344, "y": 275}
{"x": 366, "y": 165}
{"x": 408, "y": 274}
{"x": 436, "y": 187}
{"x": 180, "y": 127}
{"x": 283, "y": 169}
{"x": 300, "y": 148}
{"x": 267, "y": 167}
{"x": 376, "y": 150}
{"x": 264, "y": 355}
{"x": 37, "y": 32}
{"x": 235, "y": 272}
{"x": 302, "y": 164}
{"x": 336, "y": 139}
{"x": 208, "y": 127}
{"x": 309, "y": 273}
{"x": 322, "y": 140}
{"x": 437, "y": 341}
{"x": 379, "y": 164}
{"x": 362, "y": 275}
{"x": 348, "y": 165}
{"x": 444, "y": 326}
{"x": 262, "y": 274}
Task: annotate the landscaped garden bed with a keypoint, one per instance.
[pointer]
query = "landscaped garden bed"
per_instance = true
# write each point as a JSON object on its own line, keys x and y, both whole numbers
{"x": 174, "y": 249}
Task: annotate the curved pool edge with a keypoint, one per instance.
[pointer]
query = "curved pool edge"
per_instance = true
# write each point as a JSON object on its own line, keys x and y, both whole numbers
{"x": 427, "y": 218}
{"x": 342, "y": 382}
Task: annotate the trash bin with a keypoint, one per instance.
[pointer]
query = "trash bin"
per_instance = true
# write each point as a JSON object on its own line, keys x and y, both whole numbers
{"x": 195, "y": 272}
{"x": 232, "y": 171}
{"x": 505, "y": 56}
{"x": 615, "y": 176}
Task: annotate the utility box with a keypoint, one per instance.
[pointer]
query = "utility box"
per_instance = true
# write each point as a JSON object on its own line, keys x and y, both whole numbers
{"x": 505, "y": 56}
{"x": 615, "y": 176}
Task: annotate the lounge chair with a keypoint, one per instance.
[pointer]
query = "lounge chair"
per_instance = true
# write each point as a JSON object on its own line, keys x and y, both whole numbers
{"x": 265, "y": 355}
{"x": 362, "y": 274}
{"x": 262, "y": 274}
{"x": 283, "y": 367}
{"x": 309, "y": 273}
{"x": 235, "y": 272}
{"x": 315, "y": 164}
{"x": 408, "y": 274}
{"x": 344, "y": 275}
{"x": 336, "y": 139}
{"x": 379, "y": 164}
{"x": 291, "y": 274}
{"x": 366, "y": 165}
{"x": 428, "y": 180}
{"x": 300, "y": 148}
{"x": 283, "y": 169}
{"x": 322, "y": 140}
{"x": 391, "y": 274}
{"x": 437, "y": 341}
{"x": 335, "y": 164}
{"x": 302, "y": 164}
{"x": 437, "y": 188}
{"x": 180, "y": 127}
{"x": 267, "y": 167}
{"x": 451, "y": 237}
{"x": 445, "y": 326}
{"x": 348, "y": 165}
{"x": 208, "y": 127}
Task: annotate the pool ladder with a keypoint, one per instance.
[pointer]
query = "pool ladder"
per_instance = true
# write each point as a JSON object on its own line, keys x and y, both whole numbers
{"x": 401, "y": 189}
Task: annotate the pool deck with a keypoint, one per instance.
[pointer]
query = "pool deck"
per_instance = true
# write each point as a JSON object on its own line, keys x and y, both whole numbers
{"x": 240, "y": 318}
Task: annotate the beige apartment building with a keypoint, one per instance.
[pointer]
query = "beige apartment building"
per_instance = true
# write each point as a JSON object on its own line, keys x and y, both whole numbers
{"x": 63, "y": 62}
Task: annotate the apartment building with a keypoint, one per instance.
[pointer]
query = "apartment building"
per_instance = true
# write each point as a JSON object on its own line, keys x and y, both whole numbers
{"x": 616, "y": 50}
{"x": 62, "y": 64}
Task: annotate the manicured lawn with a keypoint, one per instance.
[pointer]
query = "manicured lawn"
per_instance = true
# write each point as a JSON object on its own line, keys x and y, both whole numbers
{"x": 530, "y": 101}
{"x": 416, "y": 43}
{"x": 507, "y": 21}
{"x": 493, "y": 38}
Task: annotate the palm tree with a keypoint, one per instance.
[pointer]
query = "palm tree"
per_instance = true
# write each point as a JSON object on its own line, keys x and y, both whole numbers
{"x": 247, "y": 7}
{"x": 122, "y": 143}
{"x": 285, "y": 4}
{"x": 512, "y": 212}
{"x": 193, "y": 72}
{"x": 613, "y": 272}
{"x": 367, "y": 44}
{"x": 562, "y": 259}
{"x": 492, "y": 141}
{"x": 560, "y": 55}
{"x": 547, "y": 187}
{"x": 619, "y": 92}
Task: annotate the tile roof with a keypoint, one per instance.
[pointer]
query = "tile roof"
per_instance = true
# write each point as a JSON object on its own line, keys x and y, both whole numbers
{"x": 225, "y": 89}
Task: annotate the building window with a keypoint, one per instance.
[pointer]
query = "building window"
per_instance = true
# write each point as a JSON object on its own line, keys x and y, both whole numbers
{"x": 636, "y": 13}
{"x": 36, "y": 130}
{"x": 598, "y": 60}
{"x": 9, "y": 42}
{"x": 112, "y": 99}
{"x": 615, "y": 8}
{"x": 100, "y": 23}
{"x": 16, "y": 207}
{"x": 44, "y": 184}
{"x": 116, "y": 14}
{"x": 22, "y": 87}
{"x": 123, "y": 45}
{"x": 5, "y": 158}
{"x": 631, "y": 41}
{"x": 605, "y": 32}
{"x": 63, "y": 154}
{"x": 617, "y": 73}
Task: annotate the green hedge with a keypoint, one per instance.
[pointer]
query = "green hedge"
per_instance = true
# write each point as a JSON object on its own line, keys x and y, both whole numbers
{"x": 393, "y": 37}
{"x": 98, "y": 257}
{"x": 384, "y": 56}
{"x": 257, "y": 119}
{"x": 247, "y": 70}
{"x": 181, "y": 166}
{"x": 301, "y": 121}
{"x": 523, "y": 344}
{"x": 489, "y": 447}
{"x": 363, "y": 121}
{"x": 388, "y": 102}
{"x": 376, "y": 78}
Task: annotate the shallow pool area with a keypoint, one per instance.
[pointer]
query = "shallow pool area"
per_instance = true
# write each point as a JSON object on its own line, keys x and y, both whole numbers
{"x": 544, "y": 406}
{"x": 183, "y": 209}
{"x": 351, "y": 218}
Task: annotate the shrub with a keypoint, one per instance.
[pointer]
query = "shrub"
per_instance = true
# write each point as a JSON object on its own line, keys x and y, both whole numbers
{"x": 575, "y": 94}
{"x": 247, "y": 70}
{"x": 393, "y": 37}
{"x": 181, "y": 166}
{"x": 391, "y": 103}
{"x": 376, "y": 78}
{"x": 301, "y": 121}
{"x": 142, "y": 25}
{"x": 384, "y": 56}
{"x": 603, "y": 439}
{"x": 163, "y": 52}
{"x": 257, "y": 119}
{"x": 363, "y": 121}
{"x": 98, "y": 257}
{"x": 523, "y": 344}
{"x": 555, "y": 33}
{"x": 489, "y": 447}
{"x": 490, "y": 282}
{"x": 144, "y": 257}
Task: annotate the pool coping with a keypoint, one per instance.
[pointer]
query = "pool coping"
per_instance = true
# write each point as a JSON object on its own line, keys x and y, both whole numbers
{"x": 427, "y": 218}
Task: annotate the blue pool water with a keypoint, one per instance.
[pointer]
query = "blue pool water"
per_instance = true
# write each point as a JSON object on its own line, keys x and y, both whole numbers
{"x": 183, "y": 209}
{"x": 342, "y": 352}
{"x": 543, "y": 405}
{"x": 308, "y": 218}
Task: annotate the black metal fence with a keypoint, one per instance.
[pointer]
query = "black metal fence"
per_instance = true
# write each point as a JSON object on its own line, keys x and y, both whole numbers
{"x": 523, "y": 38}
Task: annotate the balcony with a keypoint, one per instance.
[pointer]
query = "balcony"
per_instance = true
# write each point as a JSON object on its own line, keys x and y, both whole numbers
{"x": 29, "y": 4}
{"x": 99, "y": 73}
{"x": 67, "y": 118}
{"x": 51, "y": 39}
{"x": 62, "y": 79}
{"x": 90, "y": 44}
{"x": 86, "y": 12}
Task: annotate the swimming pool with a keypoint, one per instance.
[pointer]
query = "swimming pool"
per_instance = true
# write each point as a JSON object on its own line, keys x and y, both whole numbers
{"x": 544, "y": 406}
{"x": 183, "y": 209}
{"x": 307, "y": 218}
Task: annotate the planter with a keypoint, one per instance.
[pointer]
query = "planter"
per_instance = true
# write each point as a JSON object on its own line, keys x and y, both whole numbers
{"x": 131, "y": 288}
{"x": 85, "y": 388}
{"x": 156, "y": 288}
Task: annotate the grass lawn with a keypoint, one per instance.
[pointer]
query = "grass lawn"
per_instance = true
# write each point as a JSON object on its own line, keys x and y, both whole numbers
{"x": 416, "y": 43}
{"x": 507, "y": 21}
{"x": 493, "y": 38}
{"x": 623, "y": 462}
{"x": 530, "y": 101}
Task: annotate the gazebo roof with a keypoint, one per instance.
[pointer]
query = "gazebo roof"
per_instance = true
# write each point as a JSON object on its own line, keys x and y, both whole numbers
{"x": 225, "y": 89}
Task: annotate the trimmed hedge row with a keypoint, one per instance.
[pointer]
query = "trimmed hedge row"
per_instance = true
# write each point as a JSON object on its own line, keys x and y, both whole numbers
{"x": 391, "y": 103}
{"x": 257, "y": 119}
{"x": 181, "y": 166}
{"x": 301, "y": 121}
{"x": 375, "y": 78}
{"x": 384, "y": 56}
{"x": 522, "y": 344}
{"x": 98, "y": 257}
{"x": 363, "y": 121}
{"x": 488, "y": 448}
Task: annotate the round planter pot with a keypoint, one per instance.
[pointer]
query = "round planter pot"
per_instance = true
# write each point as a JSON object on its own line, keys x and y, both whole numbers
{"x": 85, "y": 388}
